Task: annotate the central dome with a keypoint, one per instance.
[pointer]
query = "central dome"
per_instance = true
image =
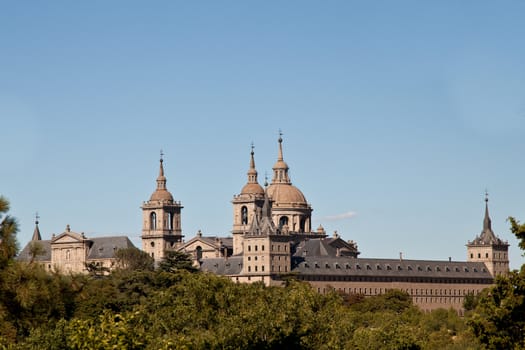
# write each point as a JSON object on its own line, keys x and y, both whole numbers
{"x": 282, "y": 193}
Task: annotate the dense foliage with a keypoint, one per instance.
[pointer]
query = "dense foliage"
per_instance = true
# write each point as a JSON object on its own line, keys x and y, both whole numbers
{"x": 176, "y": 307}
{"x": 185, "y": 310}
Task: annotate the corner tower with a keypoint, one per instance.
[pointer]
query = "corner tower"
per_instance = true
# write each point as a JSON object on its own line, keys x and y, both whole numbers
{"x": 161, "y": 220}
{"x": 488, "y": 248}
{"x": 245, "y": 206}
{"x": 290, "y": 210}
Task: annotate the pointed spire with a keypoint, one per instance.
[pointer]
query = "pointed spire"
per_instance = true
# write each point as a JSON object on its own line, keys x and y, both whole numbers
{"x": 487, "y": 236}
{"x": 266, "y": 210}
{"x": 161, "y": 193}
{"x": 487, "y": 224}
{"x": 161, "y": 179}
{"x": 252, "y": 186}
{"x": 252, "y": 172}
{"x": 280, "y": 168}
{"x": 280, "y": 156}
{"x": 36, "y": 232}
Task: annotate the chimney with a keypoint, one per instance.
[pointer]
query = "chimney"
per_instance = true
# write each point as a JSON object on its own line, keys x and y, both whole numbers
{"x": 449, "y": 259}
{"x": 400, "y": 256}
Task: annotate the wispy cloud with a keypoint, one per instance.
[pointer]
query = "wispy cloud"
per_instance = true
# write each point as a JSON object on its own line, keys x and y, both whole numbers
{"x": 347, "y": 215}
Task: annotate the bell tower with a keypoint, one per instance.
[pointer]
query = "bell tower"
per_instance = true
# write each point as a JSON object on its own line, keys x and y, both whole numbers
{"x": 245, "y": 206}
{"x": 161, "y": 220}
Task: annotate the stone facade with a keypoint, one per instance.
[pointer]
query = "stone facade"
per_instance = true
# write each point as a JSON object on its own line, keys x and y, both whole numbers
{"x": 273, "y": 240}
{"x": 72, "y": 252}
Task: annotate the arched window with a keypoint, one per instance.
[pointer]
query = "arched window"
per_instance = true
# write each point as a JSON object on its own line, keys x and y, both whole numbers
{"x": 302, "y": 225}
{"x": 68, "y": 254}
{"x": 153, "y": 221}
{"x": 283, "y": 221}
{"x": 199, "y": 252}
{"x": 170, "y": 221}
{"x": 244, "y": 215}
{"x": 152, "y": 244}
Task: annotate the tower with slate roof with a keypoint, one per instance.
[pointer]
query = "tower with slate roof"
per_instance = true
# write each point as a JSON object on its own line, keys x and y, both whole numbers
{"x": 489, "y": 248}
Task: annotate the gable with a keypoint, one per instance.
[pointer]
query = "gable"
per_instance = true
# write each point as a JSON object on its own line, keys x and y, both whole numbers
{"x": 192, "y": 245}
{"x": 67, "y": 237}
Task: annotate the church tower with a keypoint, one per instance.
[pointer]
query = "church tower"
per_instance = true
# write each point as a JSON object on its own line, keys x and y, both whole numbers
{"x": 161, "y": 220}
{"x": 488, "y": 248}
{"x": 245, "y": 206}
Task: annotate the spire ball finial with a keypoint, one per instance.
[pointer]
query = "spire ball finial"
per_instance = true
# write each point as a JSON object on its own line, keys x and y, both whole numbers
{"x": 280, "y": 136}
{"x": 36, "y": 218}
{"x": 486, "y": 196}
{"x": 161, "y": 155}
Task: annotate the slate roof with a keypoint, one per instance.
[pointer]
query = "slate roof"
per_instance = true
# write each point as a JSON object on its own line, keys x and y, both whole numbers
{"x": 369, "y": 267}
{"x": 487, "y": 236}
{"x": 105, "y": 247}
{"x": 222, "y": 266}
{"x": 25, "y": 255}
{"x": 226, "y": 241}
{"x": 101, "y": 248}
{"x": 325, "y": 247}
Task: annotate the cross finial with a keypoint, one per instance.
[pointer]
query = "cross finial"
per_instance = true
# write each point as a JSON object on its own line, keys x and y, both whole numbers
{"x": 486, "y": 195}
{"x": 252, "y": 147}
{"x": 36, "y": 218}
{"x": 161, "y": 155}
{"x": 280, "y": 135}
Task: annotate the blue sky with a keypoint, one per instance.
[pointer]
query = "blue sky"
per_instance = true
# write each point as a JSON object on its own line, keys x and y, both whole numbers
{"x": 400, "y": 112}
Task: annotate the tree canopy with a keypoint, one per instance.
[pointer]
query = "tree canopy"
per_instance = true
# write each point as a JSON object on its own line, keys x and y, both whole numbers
{"x": 8, "y": 230}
